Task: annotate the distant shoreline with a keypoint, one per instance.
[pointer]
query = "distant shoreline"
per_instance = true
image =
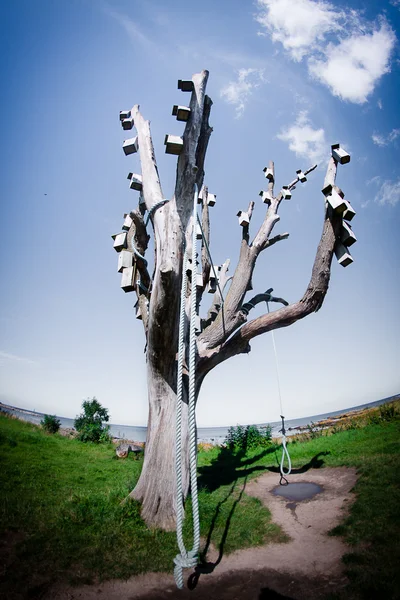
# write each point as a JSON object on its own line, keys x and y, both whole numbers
{"x": 213, "y": 435}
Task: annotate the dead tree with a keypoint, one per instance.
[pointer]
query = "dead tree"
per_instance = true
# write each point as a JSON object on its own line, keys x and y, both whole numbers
{"x": 228, "y": 328}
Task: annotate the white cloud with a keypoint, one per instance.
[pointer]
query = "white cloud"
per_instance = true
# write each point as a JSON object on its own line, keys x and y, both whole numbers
{"x": 238, "y": 92}
{"x": 6, "y": 358}
{"x": 299, "y": 25}
{"x": 379, "y": 104}
{"x": 352, "y": 68}
{"x": 381, "y": 140}
{"x": 303, "y": 139}
{"x": 343, "y": 52}
{"x": 389, "y": 193}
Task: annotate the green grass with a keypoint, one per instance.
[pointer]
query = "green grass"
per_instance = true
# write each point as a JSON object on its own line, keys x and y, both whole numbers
{"x": 61, "y": 515}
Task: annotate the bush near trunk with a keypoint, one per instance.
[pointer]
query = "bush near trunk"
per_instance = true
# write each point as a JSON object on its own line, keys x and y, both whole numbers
{"x": 90, "y": 423}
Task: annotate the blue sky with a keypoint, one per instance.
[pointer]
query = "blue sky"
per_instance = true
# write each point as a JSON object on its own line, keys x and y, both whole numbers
{"x": 288, "y": 78}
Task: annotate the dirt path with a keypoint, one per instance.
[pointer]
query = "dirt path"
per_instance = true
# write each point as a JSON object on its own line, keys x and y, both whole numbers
{"x": 306, "y": 568}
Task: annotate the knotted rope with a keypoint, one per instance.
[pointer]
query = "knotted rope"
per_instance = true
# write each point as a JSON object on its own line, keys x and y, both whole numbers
{"x": 187, "y": 559}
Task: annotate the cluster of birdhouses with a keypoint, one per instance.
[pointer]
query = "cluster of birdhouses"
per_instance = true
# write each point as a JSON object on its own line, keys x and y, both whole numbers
{"x": 174, "y": 143}
{"x": 335, "y": 201}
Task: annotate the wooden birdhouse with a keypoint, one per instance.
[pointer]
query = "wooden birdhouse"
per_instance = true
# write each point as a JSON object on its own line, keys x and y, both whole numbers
{"x": 128, "y": 279}
{"x": 211, "y": 199}
{"x": 199, "y": 235}
{"x": 340, "y": 154}
{"x": 127, "y": 124}
{"x": 343, "y": 256}
{"x": 185, "y": 85}
{"x": 301, "y": 176}
{"x": 198, "y": 325}
{"x": 120, "y": 241}
{"x": 127, "y": 223}
{"x": 182, "y": 113}
{"x": 349, "y": 213}
{"x": 347, "y": 236}
{"x": 130, "y": 146}
{"x": 268, "y": 173}
{"x": 136, "y": 181}
{"x": 125, "y": 260}
{"x": 124, "y": 114}
{"x": 174, "y": 144}
{"x": 200, "y": 197}
{"x": 266, "y": 197}
{"x": 286, "y": 195}
{"x": 212, "y": 285}
{"x": 243, "y": 218}
{"x": 335, "y": 198}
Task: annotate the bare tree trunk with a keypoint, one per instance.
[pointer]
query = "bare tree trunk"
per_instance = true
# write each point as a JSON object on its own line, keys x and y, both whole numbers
{"x": 156, "y": 486}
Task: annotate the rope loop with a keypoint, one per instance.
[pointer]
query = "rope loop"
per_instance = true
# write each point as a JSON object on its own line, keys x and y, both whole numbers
{"x": 285, "y": 453}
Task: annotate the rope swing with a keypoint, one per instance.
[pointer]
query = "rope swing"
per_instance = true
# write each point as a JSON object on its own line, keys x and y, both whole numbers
{"x": 285, "y": 452}
{"x": 187, "y": 559}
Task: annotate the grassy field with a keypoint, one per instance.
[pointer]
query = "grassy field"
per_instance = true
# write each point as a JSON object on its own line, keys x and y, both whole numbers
{"x": 61, "y": 516}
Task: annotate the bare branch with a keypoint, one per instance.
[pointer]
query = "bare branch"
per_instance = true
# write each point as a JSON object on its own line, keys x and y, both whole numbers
{"x": 189, "y": 171}
{"x": 310, "y": 302}
{"x": 151, "y": 190}
{"x": 275, "y": 239}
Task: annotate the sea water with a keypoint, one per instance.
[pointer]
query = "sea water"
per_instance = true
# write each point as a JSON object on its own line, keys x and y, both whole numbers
{"x": 213, "y": 435}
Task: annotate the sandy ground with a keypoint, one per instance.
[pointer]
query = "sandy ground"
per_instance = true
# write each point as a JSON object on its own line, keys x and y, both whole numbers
{"x": 306, "y": 568}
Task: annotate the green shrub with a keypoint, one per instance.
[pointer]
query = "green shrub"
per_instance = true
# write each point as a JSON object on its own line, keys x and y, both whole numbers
{"x": 387, "y": 412}
{"x": 50, "y": 423}
{"x": 90, "y": 423}
{"x": 248, "y": 437}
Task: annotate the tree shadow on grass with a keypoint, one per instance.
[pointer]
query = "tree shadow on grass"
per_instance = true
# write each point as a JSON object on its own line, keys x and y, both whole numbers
{"x": 316, "y": 462}
{"x": 228, "y": 467}
{"x": 204, "y": 567}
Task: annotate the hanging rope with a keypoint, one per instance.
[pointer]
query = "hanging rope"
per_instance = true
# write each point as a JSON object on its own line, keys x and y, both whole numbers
{"x": 187, "y": 559}
{"x": 153, "y": 209}
{"x": 285, "y": 452}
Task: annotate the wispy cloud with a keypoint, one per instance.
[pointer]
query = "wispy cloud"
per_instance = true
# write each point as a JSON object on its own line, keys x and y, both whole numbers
{"x": 135, "y": 33}
{"x": 7, "y": 358}
{"x": 238, "y": 92}
{"x": 303, "y": 139}
{"x": 388, "y": 191}
{"x": 343, "y": 52}
{"x": 381, "y": 140}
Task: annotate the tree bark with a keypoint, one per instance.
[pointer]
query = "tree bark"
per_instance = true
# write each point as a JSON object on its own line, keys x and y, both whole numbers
{"x": 156, "y": 486}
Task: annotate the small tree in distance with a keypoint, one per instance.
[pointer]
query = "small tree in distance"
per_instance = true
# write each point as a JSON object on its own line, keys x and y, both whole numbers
{"x": 90, "y": 423}
{"x": 50, "y": 423}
